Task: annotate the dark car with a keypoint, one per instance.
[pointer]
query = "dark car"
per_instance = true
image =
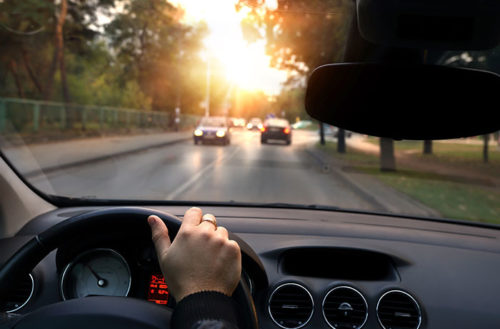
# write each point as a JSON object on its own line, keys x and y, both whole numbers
{"x": 276, "y": 129}
{"x": 212, "y": 129}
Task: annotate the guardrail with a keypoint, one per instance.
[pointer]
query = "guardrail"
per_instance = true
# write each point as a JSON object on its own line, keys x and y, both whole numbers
{"x": 33, "y": 116}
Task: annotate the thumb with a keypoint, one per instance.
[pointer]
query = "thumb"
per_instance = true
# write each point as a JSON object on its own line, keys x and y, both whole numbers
{"x": 159, "y": 233}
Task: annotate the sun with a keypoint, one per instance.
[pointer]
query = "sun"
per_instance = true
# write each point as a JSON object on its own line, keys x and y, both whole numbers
{"x": 245, "y": 65}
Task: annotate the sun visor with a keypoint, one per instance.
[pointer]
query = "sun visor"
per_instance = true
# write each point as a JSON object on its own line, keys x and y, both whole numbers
{"x": 431, "y": 24}
{"x": 418, "y": 102}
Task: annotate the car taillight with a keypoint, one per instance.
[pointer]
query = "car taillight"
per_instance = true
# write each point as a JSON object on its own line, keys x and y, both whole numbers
{"x": 263, "y": 129}
{"x": 286, "y": 130}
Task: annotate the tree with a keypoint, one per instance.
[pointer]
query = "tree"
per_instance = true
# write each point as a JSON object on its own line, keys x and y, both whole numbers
{"x": 486, "y": 139}
{"x": 484, "y": 60}
{"x": 154, "y": 47}
{"x": 24, "y": 31}
{"x": 36, "y": 35}
{"x": 387, "y": 158}
{"x": 427, "y": 147}
{"x": 301, "y": 35}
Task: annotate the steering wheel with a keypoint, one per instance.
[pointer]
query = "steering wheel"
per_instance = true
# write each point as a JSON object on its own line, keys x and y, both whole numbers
{"x": 103, "y": 311}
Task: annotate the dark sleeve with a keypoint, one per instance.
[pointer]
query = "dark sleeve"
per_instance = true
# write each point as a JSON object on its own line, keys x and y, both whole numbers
{"x": 205, "y": 310}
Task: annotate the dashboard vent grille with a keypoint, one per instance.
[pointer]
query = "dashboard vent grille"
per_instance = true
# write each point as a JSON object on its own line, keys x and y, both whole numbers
{"x": 19, "y": 295}
{"x": 345, "y": 307}
{"x": 291, "y": 306}
{"x": 397, "y": 309}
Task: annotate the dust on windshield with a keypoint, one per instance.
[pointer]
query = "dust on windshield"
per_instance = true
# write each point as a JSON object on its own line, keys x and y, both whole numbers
{"x": 102, "y": 100}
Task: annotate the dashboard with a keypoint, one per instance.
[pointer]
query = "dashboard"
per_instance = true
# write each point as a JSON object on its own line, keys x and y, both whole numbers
{"x": 305, "y": 268}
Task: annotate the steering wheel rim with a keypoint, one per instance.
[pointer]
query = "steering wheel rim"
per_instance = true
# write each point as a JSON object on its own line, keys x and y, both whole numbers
{"x": 106, "y": 220}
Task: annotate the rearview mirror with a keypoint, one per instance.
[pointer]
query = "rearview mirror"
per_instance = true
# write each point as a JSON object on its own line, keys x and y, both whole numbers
{"x": 439, "y": 24}
{"x": 420, "y": 102}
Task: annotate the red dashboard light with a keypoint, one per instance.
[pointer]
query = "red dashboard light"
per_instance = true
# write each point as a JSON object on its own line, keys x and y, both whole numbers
{"x": 158, "y": 290}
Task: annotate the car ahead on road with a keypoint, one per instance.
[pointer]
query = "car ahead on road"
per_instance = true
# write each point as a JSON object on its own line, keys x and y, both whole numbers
{"x": 254, "y": 124}
{"x": 276, "y": 130}
{"x": 238, "y": 123}
{"x": 212, "y": 130}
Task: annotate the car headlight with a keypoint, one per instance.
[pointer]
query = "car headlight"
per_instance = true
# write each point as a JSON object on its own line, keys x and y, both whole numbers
{"x": 198, "y": 132}
{"x": 249, "y": 125}
{"x": 260, "y": 126}
{"x": 220, "y": 133}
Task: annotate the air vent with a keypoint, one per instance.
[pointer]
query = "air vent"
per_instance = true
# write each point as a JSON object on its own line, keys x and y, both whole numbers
{"x": 345, "y": 307}
{"x": 19, "y": 295}
{"x": 291, "y": 306}
{"x": 397, "y": 309}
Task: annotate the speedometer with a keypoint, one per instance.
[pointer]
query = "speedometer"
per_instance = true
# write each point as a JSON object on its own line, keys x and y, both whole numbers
{"x": 97, "y": 272}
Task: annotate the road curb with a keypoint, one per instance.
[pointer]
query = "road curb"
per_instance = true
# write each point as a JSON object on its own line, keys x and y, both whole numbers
{"x": 321, "y": 158}
{"x": 51, "y": 169}
{"x": 379, "y": 203}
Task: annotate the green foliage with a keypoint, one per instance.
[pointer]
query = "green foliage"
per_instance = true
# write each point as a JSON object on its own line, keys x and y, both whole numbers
{"x": 145, "y": 58}
{"x": 154, "y": 47}
{"x": 300, "y": 34}
{"x": 451, "y": 200}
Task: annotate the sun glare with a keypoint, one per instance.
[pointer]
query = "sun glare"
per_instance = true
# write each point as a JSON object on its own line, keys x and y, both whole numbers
{"x": 246, "y": 65}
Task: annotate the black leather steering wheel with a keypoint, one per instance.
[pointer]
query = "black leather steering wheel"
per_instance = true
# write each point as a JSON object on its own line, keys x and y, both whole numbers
{"x": 103, "y": 311}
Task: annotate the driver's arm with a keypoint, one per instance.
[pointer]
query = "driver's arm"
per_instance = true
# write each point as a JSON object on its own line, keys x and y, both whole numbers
{"x": 202, "y": 268}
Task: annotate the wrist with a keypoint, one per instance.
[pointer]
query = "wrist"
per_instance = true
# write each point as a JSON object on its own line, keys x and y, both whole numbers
{"x": 204, "y": 305}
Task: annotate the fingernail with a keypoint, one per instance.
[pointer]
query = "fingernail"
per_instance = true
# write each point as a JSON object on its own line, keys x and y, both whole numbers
{"x": 152, "y": 220}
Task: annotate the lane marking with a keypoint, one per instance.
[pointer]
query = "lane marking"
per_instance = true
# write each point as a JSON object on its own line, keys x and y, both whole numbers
{"x": 197, "y": 177}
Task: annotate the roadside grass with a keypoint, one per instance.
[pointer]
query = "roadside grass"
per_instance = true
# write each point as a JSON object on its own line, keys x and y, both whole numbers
{"x": 454, "y": 154}
{"x": 453, "y": 197}
{"x": 450, "y": 199}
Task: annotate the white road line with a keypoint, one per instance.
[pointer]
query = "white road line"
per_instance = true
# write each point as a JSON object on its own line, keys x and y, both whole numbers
{"x": 198, "y": 176}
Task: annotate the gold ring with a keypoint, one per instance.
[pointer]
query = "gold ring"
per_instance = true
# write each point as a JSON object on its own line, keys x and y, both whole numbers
{"x": 209, "y": 218}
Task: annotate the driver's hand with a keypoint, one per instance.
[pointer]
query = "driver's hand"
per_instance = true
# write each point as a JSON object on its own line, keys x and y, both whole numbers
{"x": 201, "y": 258}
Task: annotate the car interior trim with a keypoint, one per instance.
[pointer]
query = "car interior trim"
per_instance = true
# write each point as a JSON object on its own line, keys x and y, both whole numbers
{"x": 406, "y": 294}
{"x": 284, "y": 285}
{"x": 29, "y": 297}
{"x": 343, "y": 287}
{"x": 79, "y": 256}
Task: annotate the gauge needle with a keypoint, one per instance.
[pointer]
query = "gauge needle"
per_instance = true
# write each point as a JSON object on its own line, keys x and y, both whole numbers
{"x": 100, "y": 281}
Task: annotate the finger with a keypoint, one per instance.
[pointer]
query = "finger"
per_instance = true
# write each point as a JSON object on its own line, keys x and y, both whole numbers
{"x": 192, "y": 217}
{"x": 221, "y": 231}
{"x": 208, "y": 220}
{"x": 159, "y": 234}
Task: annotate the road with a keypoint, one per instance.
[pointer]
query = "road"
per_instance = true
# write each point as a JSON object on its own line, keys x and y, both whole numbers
{"x": 170, "y": 167}
{"x": 244, "y": 171}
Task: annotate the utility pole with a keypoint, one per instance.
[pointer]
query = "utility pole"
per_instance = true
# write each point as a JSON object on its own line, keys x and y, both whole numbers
{"x": 207, "y": 96}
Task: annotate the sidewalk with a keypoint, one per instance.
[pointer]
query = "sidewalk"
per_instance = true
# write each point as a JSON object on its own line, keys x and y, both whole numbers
{"x": 31, "y": 159}
{"x": 382, "y": 197}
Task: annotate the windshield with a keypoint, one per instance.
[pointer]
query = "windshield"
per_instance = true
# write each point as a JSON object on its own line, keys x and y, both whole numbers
{"x": 103, "y": 100}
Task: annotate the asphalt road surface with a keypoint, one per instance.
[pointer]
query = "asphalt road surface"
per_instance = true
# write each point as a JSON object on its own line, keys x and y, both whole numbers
{"x": 244, "y": 171}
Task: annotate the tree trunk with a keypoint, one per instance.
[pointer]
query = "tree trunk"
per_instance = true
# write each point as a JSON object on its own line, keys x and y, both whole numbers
{"x": 387, "y": 158}
{"x": 15, "y": 75}
{"x": 428, "y": 147}
{"x": 31, "y": 74}
{"x": 341, "y": 148}
{"x": 321, "y": 133}
{"x": 486, "y": 139}
{"x": 58, "y": 50}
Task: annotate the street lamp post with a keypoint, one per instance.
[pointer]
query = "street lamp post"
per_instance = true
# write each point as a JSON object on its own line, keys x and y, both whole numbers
{"x": 207, "y": 96}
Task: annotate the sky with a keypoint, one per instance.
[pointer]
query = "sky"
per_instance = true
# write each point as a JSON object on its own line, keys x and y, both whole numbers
{"x": 246, "y": 64}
